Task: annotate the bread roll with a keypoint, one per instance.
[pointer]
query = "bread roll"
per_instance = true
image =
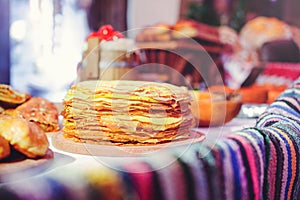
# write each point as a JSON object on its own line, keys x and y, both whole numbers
{"x": 263, "y": 29}
{"x": 4, "y": 148}
{"x": 10, "y": 97}
{"x": 41, "y": 112}
{"x": 24, "y": 136}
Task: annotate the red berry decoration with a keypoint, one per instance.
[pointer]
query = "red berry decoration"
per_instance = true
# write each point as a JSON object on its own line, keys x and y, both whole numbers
{"x": 106, "y": 32}
{"x": 117, "y": 35}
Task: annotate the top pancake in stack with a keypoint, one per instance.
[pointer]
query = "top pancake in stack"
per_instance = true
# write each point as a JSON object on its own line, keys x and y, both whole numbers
{"x": 126, "y": 112}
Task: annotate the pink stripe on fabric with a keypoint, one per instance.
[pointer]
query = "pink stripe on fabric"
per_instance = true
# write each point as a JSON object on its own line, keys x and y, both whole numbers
{"x": 251, "y": 158}
{"x": 272, "y": 171}
{"x": 259, "y": 153}
{"x": 142, "y": 177}
{"x": 287, "y": 70}
{"x": 180, "y": 181}
{"x": 173, "y": 182}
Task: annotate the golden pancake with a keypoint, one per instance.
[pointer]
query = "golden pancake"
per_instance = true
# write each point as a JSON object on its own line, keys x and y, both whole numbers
{"x": 127, "y": 112}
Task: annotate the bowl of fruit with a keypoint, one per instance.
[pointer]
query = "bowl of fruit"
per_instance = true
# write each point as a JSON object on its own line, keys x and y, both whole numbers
{"x": 215, "y": 108}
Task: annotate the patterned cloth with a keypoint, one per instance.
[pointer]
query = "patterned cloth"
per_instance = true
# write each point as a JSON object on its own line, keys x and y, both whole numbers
{"x": 262, "y": 162}
{"x": 278, "y": 73}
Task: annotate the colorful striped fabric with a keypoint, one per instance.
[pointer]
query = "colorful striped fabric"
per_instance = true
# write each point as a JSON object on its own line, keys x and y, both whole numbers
{"x": 262, "y": 162}
{"x": 279, "y": 73}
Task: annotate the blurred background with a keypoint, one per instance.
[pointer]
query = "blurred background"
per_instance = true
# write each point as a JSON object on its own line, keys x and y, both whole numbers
{"x": 41, "y": 41}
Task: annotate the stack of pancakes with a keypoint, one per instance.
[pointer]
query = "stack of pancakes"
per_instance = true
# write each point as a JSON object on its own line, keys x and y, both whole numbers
{"x": 126, "y": 112}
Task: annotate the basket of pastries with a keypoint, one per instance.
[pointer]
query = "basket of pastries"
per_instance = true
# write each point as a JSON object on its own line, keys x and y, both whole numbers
{"x": 191, "y": 48}
{"x": 24, "y": 124}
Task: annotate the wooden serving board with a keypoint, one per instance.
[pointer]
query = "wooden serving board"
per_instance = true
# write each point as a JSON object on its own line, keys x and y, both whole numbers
{"x": 61, "y": 143}
{"x": 17, "y": 162}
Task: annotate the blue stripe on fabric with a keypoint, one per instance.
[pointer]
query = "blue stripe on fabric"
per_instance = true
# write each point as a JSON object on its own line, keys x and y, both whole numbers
{"x": 287, "y": 109}
{"x": 292, "y": 102}
{"x": 293, "y": 92}
{"x": 238, "y": 187}
{"x": 272, "y": 118}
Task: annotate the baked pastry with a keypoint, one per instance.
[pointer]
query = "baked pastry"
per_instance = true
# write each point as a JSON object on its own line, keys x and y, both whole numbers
{"x": 10, "y": 97}
{"x": 185, "y": 28}
{"x": 158, "y": 32}
{"x": 26, "y": 137}
{"x": 10, "y": 112}
{"x": 40, "y": 111}
{"x": 4, "y": 148}
{"x": 263, "y": 29}
{"x": 126, "y": 112}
